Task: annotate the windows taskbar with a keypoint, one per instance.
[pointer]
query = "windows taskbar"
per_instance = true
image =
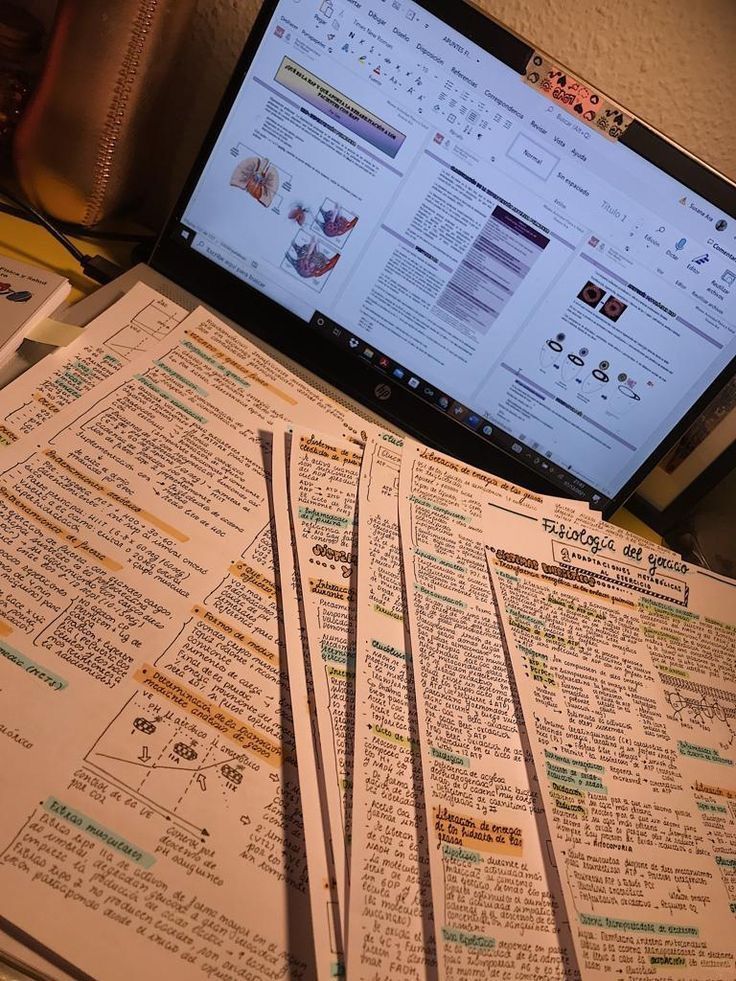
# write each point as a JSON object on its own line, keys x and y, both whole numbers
{"x": 534, "y": 457}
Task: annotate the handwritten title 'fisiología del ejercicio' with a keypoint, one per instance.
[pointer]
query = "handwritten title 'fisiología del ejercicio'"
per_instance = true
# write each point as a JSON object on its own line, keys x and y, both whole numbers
{"x": 597, "y": 543}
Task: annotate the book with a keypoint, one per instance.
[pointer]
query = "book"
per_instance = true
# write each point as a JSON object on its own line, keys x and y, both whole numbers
{"x": 28, "y": 294}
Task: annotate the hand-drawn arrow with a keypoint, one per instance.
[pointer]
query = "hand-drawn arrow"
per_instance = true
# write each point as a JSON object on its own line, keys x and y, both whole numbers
{"x": 144, "y": 757}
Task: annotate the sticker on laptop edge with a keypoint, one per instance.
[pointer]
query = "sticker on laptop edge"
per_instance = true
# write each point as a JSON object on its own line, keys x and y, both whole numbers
{"x": 576, "y": 98}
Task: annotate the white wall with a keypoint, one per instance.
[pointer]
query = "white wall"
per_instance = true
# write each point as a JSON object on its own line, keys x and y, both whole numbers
{"x": 664, "y": 59}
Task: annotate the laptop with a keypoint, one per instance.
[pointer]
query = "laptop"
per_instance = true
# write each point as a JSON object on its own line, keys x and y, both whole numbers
{"x": 431, "y": 219}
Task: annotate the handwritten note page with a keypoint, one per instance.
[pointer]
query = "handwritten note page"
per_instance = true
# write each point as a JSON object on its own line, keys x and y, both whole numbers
{"x": 323, "y": 477}
{"x": 642, "y": 885}
{"x": 126, "y": 331}
{"x": 152, "y": 805}
{"x": 496, "y": 908}
{"x": 391, "y": 929}
{"x": 327, "y": 925}
{"x": 694, "y": 654}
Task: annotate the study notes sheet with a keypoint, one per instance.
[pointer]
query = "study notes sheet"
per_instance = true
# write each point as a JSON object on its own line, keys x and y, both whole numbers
{"x": 128, "y": 330}
{"x": 328, "y": 934}
{"x": 391, "y": 926}
{"x": 694, "y": 654}
{"x": 497, "y": 908}
{"x": 323, "y": 481}
{"x": 640, "y": 860}
{"x": 151, "y": 822}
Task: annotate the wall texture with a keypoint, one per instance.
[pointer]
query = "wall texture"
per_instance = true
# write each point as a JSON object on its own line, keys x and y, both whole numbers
{"x": 667, "y": 60}
{"x": 664, "y": 59}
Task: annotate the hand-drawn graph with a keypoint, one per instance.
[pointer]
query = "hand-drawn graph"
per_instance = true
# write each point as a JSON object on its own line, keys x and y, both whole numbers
{"x": 151, "y": 324}
{"x": 334, "y": 222}
{"x": 180, "y": 767}
{"x": 93, "y": 363}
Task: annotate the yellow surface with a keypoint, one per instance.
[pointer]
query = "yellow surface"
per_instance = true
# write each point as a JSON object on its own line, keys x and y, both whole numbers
{"x": 27, "y": 242}
{"x": 625, "y": 519}
{"x": 30, "y": 243}
{"x": 54, "y": 332}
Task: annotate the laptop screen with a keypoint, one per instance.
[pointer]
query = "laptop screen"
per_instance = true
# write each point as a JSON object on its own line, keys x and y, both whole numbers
{"x": 415, "y": 201}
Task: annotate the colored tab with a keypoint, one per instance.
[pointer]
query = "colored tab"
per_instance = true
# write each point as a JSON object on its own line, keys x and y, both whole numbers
{"x": 32, "y": 668}
{"x": 465, "y": 939}
{"x": 54, "y": 332}
{"x": 110, "y": 839}
{"x": 704, "y": 753}
{"x": 252, "y": 577}
{"x": 201, "y": 708}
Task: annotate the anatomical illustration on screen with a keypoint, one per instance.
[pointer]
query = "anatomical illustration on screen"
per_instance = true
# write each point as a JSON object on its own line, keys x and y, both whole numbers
{"x": 311, "y": 259}
{"x": 578, "y": 370}
{"x": 596, "y": 379}
{"x": 299, "y": 212}
{"x": 335, "y": 222}
{"x": 259, "y": 177}
{"x": 591, "y": 294}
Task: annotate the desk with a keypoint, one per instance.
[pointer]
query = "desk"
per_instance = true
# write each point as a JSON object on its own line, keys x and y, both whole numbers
{"x": 30, "y": 243}
{"x": 27, "y": 242}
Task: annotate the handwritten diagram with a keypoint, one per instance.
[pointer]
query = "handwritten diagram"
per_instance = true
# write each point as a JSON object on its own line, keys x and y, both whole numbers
{"x": 169, "y": 760}
{"x": 149, "y": 325}
{"x": 708, "y": 711}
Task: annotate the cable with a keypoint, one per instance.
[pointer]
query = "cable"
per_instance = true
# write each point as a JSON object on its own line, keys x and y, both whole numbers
{"x": 94, "y": 266}
{"x": 78, "y": 231}
{"x": 69, "y": 246}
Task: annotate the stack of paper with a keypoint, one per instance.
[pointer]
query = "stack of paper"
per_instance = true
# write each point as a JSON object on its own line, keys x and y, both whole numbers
{"x": 284, "y": 696}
